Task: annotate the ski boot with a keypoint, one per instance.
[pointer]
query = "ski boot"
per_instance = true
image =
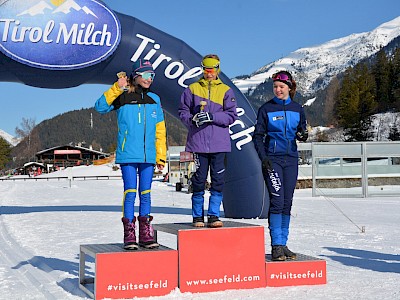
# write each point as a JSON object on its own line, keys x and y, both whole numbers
{"x": 277, "y": 253}
{"x": 146, "y": 233}
{"x": 129, "y": 234}
{"x": 289, "y": 254}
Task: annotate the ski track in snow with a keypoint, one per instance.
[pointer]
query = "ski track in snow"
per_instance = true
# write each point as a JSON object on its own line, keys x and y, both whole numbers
{"x": 24, "y": 273}
{"x": 43, "y": 223}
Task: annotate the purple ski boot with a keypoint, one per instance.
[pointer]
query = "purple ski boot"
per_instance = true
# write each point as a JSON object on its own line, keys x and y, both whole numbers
{"x": 129, "y": 234}
{"x": 146, "y": 234}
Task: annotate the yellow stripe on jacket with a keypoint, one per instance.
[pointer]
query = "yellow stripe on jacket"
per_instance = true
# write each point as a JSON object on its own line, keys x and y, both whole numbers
{"x": 112, "y": 93}
{"x": 161, "y": 143}
{"x": 217, "y": 88}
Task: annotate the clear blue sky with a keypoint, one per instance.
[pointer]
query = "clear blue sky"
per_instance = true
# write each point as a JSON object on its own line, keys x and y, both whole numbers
{"x": 246, "y": 34}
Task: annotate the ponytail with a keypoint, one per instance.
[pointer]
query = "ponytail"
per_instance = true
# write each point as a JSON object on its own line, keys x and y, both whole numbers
{"x": 292, "y": 91}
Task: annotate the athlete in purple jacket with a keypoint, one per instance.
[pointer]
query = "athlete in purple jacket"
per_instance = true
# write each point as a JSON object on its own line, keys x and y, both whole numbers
{"x": 207, "y": 109}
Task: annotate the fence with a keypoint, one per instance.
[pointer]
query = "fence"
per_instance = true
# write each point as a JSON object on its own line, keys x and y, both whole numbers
{"x": 355, "y": 169}
{"x": 43, "y": 178}
{"x": 351, "y": 169}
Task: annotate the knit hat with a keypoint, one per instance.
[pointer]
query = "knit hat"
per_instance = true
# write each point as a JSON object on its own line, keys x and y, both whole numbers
{"x": 141, "y": 66}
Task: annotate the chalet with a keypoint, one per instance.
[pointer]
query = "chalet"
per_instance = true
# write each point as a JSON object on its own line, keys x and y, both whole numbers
{"x": 32, "y": 168}
{"x": 68, "y": 156}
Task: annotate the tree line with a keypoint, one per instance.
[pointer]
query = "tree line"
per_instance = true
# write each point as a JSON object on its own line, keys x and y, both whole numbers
{"x": 367, "y": 89}
{"x": 351, "y": 99}
{"x": 85, "y": 127}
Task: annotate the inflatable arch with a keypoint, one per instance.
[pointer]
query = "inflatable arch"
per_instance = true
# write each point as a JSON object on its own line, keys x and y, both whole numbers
{"x": 62, "y": 44}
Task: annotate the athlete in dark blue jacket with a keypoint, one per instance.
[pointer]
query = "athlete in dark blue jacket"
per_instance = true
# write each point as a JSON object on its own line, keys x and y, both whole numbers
{"x": 280, "y": 122}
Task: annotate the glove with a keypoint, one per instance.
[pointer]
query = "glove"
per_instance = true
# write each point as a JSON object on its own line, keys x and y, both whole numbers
{"x": 267, "y": 165}
{"x": 202, "y": 118}
{"x": 302, "y": 135}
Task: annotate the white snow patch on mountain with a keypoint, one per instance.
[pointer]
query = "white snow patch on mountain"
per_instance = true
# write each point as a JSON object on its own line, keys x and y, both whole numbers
{"x": 37, "y": 9}
{"x": 9, "y": 138}
{"x": 314, "y": 67}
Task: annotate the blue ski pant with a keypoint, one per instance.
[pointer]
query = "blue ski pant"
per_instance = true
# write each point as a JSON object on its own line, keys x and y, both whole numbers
{"x": 130, "y": 174}
{"x": 213, "y": 161}
{"x": 281, "y": 183}
{"x": 216, "y": 163}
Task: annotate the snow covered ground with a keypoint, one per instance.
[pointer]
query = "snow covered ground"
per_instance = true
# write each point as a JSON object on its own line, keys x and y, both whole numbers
{"x": 43, "y": 223}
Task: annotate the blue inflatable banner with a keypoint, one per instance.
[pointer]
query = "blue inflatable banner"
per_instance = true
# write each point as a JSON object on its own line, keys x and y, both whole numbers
{"x": 65, "y": 43}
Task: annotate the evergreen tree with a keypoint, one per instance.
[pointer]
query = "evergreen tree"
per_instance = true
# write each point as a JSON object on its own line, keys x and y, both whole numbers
{"x": 356, "y": 103}
{"x": 347, "y": 101}
{"x": 381, "y": 71}
{"x": 395, "y": 80}
{"x": 5, "y": 150}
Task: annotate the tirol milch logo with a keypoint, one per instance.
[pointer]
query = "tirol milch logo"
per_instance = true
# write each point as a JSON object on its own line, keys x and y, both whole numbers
{"x": 58, "y": 34}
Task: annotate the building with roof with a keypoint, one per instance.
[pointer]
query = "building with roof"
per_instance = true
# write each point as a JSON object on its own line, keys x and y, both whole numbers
{"x": 68, "y": 156}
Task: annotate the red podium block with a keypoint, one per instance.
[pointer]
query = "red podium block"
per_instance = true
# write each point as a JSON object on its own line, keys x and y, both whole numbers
{"x": 123, "y": 274}
{"x": 216, "y": 259}
{"x": 305, "y": 270}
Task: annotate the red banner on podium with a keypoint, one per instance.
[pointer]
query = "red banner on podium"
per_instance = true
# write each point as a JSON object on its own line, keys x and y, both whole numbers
{"x": 221, "y": 258}
{"x": 305, "y": 270}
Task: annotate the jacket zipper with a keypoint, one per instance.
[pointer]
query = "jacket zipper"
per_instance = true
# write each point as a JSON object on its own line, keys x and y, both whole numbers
{"x": 209, "y": 91}
{"x": 144, "y": 128}
{"x": 144, "y": 136}
{"x": 286, "y": 120}
{"x": 209, "y": 101}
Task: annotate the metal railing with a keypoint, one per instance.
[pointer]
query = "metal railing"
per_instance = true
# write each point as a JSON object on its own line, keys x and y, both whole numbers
{"x": 357, "y": 169}
{"x": 85, "y": 177}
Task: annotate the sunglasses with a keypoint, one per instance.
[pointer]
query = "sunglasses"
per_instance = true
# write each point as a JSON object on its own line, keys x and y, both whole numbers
{"x": 210, "y": 71}
{"x": 281, "y": 76}
{"x": 147, "y": 75}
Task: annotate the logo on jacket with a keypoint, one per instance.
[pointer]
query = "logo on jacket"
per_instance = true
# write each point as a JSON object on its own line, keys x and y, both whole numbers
{"x": 277, "y": 118}
{"x": 58, "y": 34}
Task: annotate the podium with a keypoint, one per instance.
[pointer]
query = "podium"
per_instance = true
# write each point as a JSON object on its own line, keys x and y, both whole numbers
{"x": 216, "y": 259}
{"x": 123, "y": 274}
{"x": 304, "y": 270}
{"x": 206, "y": 260}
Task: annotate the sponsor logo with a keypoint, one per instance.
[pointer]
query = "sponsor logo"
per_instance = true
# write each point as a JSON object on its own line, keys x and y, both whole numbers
{"x": 277, "y": 118}
{"x": 58, "y": 34}
{"x": 243, "y": 135}
{"x": 174, "y": 69}
{"x": 275, "y": 181}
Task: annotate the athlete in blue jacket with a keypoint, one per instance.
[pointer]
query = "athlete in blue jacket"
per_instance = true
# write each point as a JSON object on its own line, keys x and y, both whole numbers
{"x": 280, "y": 122}
{"x": 141, "y": 145}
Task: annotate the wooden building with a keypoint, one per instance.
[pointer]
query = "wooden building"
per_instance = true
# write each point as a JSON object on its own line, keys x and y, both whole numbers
{"x": 32, "y": 168}
{"x": 68, "y": 156}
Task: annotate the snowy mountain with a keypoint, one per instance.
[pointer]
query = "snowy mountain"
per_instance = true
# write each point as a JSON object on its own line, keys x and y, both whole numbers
{"x": 9, "y": 138}
{"x": 69, "y": 5}
{"x": 314, "y": 67}
{"x": 37, "y": 9}
{"x": 65, "y": 8}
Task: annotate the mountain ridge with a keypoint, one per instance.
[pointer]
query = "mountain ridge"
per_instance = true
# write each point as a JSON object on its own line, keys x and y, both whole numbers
{"x": 314, "y": 67}
{"x": 9, "y": 138}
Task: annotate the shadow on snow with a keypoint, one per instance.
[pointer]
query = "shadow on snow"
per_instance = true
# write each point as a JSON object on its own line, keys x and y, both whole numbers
{"x": 364, "y": 259}
{"x": 48, "y": 265}
{"x": 15, "y": 210}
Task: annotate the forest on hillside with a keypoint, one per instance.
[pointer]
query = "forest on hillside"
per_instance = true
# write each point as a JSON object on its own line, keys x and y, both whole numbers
{"x": 349, "y": 102}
